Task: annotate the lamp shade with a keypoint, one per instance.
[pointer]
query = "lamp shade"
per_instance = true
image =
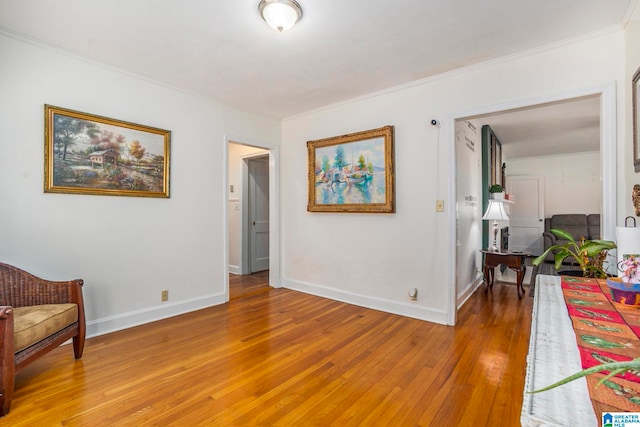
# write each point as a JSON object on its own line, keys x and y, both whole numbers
{"x": 496, "y": 211}
{"x": 280, "y": 14}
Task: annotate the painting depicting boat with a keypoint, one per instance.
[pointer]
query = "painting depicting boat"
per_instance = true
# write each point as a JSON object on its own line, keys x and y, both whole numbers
{"x": 352, "y": 173}
{"x": 354, "y": 178}
{"x": 359, "y": 178}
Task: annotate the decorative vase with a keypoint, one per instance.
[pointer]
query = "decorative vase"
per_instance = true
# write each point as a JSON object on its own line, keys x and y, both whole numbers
{"x": 627, "y": 293}
{"x": 496, "y": 196}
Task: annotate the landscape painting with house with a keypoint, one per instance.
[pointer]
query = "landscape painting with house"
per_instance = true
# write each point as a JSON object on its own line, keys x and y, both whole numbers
{"x": 90, "y": 155}
{"x": 351, "y": 173}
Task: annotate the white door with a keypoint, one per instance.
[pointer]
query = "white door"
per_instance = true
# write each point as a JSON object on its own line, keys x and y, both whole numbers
{"x": 526, "y": 219}
{"x": 259, "y": 214}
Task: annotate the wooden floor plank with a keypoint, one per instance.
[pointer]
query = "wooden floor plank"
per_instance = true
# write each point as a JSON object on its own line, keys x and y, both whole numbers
{"x": 284, "y": 358}
{"x": 241, "y": 286}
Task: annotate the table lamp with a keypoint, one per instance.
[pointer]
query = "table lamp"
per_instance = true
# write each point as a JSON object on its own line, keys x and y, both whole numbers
{"x": 496, "y": 212}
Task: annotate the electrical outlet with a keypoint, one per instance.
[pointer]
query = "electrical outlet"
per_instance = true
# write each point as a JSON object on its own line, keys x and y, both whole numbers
{"x": 164, "y": 296}
{"x": 439, "y": 205}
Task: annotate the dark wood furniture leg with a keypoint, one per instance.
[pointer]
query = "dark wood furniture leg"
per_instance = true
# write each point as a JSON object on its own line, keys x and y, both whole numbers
{"x": 488, "y": 276}
{"x": 513, "y": 261}
{"x": 520, "y": 278}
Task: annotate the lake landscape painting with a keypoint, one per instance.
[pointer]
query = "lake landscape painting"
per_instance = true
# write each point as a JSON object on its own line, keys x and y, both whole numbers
{"x": 352, "y": 173}
{"x": 88, "y": 154}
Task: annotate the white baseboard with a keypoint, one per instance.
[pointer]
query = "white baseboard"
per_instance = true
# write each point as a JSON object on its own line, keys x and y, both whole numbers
{"x": 139, "y": 317}
{"x": 408, "y": 309}
{"x": 235, "y": 269}
{"x": 468, "y": 291}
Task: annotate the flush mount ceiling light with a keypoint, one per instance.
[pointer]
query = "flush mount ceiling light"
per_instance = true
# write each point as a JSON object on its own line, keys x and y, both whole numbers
{"x": 280, "y": 14}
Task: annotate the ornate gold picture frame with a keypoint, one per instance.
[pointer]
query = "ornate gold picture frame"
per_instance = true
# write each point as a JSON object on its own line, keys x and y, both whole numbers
{"x": 352, "y": 173}
{"x": 88, "y": 154}
{"x": 636, "y": 121}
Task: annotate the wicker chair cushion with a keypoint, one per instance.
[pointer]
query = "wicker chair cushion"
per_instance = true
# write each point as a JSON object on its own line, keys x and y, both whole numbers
{"x": 35, "y": 323}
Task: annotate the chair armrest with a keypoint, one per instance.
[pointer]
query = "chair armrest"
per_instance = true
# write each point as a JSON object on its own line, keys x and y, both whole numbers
{"x": 6, "y": 331}
{"x": 6, "y": 316}
{"x": 549, "y": 239}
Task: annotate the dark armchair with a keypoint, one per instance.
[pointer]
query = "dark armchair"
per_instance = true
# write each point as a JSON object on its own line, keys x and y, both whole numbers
{"x": 579, "y": 225}
{"x": 36, "y": 316}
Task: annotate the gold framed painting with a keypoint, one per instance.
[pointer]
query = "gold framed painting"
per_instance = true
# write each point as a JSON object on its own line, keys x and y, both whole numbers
{"x": 89, "y": 154}
{"x": 352, "y": 173}
{"x": 636, "y": 120}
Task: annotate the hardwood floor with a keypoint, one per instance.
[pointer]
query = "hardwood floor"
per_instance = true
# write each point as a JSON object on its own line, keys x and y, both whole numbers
{"x": 241, "y": 286}
{"x": 284, "y": 358}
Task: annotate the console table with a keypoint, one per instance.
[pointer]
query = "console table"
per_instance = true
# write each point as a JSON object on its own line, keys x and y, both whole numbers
{"x": 513, "y": 260}
{"x": 553, "y": 355}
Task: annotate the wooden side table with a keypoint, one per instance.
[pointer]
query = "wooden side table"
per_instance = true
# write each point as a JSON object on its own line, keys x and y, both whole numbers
{"x": 513, "y": 260}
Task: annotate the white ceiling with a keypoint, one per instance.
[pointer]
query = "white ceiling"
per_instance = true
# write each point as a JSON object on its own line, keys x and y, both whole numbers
{"x": 572, "y": 126}
{"x": 339, "y": 50}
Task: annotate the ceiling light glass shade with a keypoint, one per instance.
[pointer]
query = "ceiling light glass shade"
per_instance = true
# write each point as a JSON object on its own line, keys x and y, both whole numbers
{"x": 280, "y": 14}
{"x": 496, "y": 211}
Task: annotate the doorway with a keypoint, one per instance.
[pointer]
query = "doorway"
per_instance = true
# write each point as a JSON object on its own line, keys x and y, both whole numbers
{"x": 605, "y": 95}
{"x": 249, "y": 207}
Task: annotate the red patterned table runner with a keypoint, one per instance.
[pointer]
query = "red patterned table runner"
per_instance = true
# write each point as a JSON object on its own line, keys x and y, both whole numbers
{"x": 606, "y": 332}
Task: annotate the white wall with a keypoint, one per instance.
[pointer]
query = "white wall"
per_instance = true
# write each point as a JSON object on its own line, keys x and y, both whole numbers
{"x": 572, "y": 183}
{"x": 468, "y": 207}
{"x": 127, "y": 249}
{"x": 146, "y": 245}
{"x": 237, "y": 153}
{"x": 373, "y": 260}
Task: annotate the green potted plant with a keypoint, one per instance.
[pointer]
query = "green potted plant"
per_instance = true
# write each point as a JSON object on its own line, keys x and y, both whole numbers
{"x": 496, "y": 192}
{"x": 589, "y": 254}
{"x": 614, "y": 368}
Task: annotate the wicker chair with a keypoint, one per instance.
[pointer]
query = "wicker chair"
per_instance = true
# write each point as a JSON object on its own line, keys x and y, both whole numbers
{"x": 35, "y": 309}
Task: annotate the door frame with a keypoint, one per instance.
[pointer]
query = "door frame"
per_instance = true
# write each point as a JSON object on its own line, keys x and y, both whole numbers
{"x": 608, "y": 152}
{"x": 275, "y": 279}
